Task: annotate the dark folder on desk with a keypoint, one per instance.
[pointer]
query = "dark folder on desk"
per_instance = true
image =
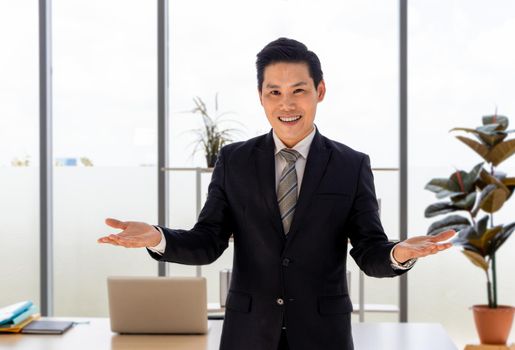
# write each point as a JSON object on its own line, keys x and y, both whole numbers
{"x": 47, "y": 327}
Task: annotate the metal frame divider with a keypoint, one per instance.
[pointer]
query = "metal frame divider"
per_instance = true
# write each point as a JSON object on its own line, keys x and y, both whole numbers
{"x": 45, "y": 159}
{"x": 162, "y": 120}
{"x": 403, "y": 147}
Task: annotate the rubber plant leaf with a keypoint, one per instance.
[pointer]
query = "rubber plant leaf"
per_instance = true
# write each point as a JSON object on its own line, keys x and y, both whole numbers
{"x": 451, "y": 222}
{"x": 501, "y": 152}
{"x": 482, "y": 224}
{"x": 492, "y": 198}
{"x": 476, "y": 259}
{"x": 501, "y": 120}
{"x": 489, "y": 128}
{"x": 499, "y": 239}
{"x": 469, "y": 236}
{"x": 462, "y": 238}
{"x": 500, "y": 175}
{"x": 488, "y": 179}
{"x": 486, "y": 134}
{"x": 509, "y": 182}
{"x": 480, "y": 149}
{"x": 485, "y": 239}
{"x": 442, "y": 188}
{"x": 492, "y": 139}
{"x": 465, "y": 182}
{"x": 470, "y": 247}
{"x": 465, "y": 202}
{"x": 439, "y": 209}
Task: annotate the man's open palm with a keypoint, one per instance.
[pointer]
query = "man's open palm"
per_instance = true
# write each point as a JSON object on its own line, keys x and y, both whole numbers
{"x": 134, "y": 235}
{"x": 420, "y": 246}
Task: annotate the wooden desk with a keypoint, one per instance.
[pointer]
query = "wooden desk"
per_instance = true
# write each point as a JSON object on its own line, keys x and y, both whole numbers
{"x": 490, "y": 347}
{"x": 97, "y": 335}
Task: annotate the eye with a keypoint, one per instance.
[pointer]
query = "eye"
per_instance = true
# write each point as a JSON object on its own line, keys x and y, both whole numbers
{"x": 298, "y": 90}
{"x": 274, "y": 92}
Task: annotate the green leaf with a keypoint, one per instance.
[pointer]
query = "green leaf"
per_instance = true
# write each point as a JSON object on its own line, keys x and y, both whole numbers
{"x": 441, "y": 187}
{"x": 489, "y": 128}
{"x": 482, "y": 224}
{"x": 501, "y": 152}
{"x": 465, "y": 202}
{"x": 451, "y": 222}
{"x": 462, "y": 238}
{"x": 437, "y": 185}
{"x": 499, "y": 239}
{"x": 492, "y": 139}
{"x": 438, "y": 209}
{"x": 465, "y": 182}
{"x": 501, "y": 120}
{"x": 487, "y": 179}
{"x": 480, "y": 149}
{"x": 474, "y": 131}
{"x": 468, "y": 246}
{"x": 492, "y": 199}
{"x": 483, "y": 242}
{"x": 457, "y": 180}
{"x": 476, "y": 259}
{"x": 479, "y": 236}
{"x": 499, "y": 175}
{"x": 459, "y": 183}
{"x": 509, "y": 182}
{"x": 488, "y": 134}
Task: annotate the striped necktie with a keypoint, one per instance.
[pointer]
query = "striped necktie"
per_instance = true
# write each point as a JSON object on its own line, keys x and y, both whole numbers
{"x": 287, "y": 189}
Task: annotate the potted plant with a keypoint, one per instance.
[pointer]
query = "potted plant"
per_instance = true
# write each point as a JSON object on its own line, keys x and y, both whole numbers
{"x": 211, "y": 138}
{"x": 480, "y": 189}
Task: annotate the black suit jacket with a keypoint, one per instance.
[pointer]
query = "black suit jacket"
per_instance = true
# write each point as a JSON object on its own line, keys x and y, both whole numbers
{"x": 299, "y": 280}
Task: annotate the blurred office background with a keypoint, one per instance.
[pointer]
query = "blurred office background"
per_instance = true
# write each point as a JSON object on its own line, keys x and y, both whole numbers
{"x": 460, "y": 67}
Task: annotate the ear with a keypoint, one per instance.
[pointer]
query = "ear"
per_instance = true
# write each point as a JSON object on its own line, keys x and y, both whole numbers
{"x": 260, "y": 97}
{"x": 321, "y": 90}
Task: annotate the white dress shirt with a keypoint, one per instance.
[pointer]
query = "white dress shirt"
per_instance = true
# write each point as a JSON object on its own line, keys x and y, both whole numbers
{"x": 302, "y": 147}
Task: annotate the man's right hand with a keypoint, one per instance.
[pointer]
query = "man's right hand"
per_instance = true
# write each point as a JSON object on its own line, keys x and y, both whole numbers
{"x": 134, "y": 235}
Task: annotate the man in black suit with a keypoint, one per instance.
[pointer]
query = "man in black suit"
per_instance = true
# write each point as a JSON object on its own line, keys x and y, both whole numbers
{"x": 292, "y": 199}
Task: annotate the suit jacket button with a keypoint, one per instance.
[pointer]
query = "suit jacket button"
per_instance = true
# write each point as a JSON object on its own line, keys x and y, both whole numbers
{"x": 286, "y": 262}
{"x": 279, "y": 301}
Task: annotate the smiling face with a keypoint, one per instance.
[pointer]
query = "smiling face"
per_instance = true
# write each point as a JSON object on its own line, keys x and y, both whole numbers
{"x": 290, "y": 100}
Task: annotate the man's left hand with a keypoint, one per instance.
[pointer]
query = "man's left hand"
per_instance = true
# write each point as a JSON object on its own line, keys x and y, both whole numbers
{"x": 420, "y": 246}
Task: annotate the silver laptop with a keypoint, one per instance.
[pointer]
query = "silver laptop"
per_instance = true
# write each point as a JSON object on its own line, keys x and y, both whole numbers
{"x": 163, "y": 305}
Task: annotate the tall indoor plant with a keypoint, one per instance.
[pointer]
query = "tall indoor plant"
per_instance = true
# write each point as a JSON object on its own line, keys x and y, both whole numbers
{"x": 487, "y": 190}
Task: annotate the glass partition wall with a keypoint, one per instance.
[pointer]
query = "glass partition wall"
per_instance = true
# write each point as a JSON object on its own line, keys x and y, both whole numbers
{"x": 460, "y": 69}
{"x": 19, "y": 167}
{"x": 105, "y": 144}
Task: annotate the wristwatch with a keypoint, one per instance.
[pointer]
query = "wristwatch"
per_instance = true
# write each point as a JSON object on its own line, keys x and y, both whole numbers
{"x": 401, "y": 266}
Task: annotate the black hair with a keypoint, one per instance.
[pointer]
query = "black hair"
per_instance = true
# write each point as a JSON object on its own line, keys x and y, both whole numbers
{"x": 288, "y": 50}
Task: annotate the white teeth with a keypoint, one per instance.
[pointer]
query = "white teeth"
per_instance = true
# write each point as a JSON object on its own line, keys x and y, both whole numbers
{"x": 289, "y": 119}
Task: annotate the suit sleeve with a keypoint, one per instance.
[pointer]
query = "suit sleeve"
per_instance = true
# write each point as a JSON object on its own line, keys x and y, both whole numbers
{"x": 370, "y": 246}
{"x": 207, "y": 240}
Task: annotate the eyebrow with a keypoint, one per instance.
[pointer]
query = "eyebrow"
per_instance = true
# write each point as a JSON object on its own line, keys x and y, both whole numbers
{"x": 272, "y": 86}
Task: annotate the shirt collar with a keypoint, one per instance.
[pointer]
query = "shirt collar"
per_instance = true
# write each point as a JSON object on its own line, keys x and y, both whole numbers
{"x": 302, "y": 146}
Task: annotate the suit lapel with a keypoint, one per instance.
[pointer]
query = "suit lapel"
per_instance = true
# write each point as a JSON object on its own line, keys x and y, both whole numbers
{"x": 315, "y": 168}
{"x": 265, "y": 170}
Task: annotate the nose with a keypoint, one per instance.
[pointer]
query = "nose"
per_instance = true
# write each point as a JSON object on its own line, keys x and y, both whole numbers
{"x": 286, "y": 103}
